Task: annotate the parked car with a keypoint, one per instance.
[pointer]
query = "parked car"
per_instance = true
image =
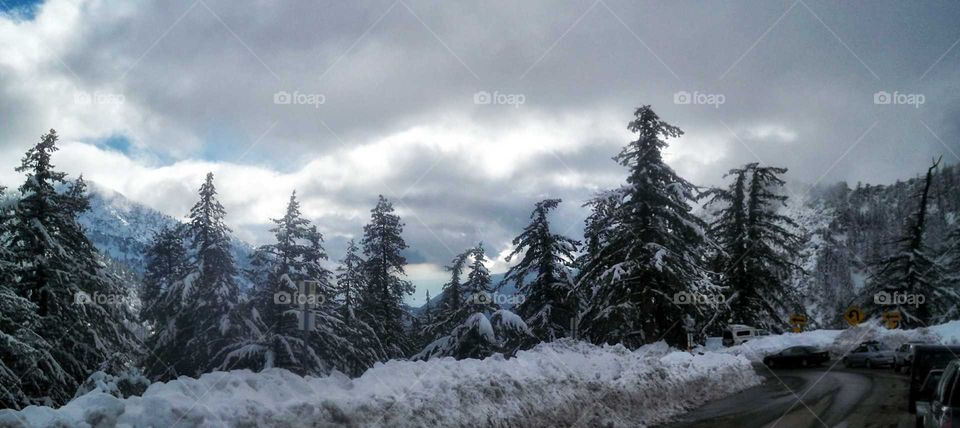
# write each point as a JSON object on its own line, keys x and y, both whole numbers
{"x": 925, "y": 359}
{"x": 736, "y": 334}
{"x": 903, "y": 356}
{"x": 869, "y": 354}
{"x": 927, "y": 389}
{"x": 802, "y": 356}
{"x": 943, "y": 409}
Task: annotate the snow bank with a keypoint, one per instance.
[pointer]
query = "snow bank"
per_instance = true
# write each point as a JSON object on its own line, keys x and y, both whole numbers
{"x": 756, "y": 349}
{"x": 559, "y": 384}
{"x": 839, "y": 342}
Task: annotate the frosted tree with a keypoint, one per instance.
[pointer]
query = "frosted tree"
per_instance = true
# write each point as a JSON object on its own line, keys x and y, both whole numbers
{"x": 365, "y": 348}
{"x": 274, "y": 334}
{"x": 382, "y": 303}
{"x": 480, "y": 328}
{"x": 81, "y": 311}
{"x": 757, "y": 246}
{"x": 166, "y": 263}
{"x": 208, "y": 296}
{"x": 448, "y": 313}
{"x": 645, "y": 247}
{"x": 28, "y": 372}
{"x": 542, "y": 276}
{"x": 909, "y": 281}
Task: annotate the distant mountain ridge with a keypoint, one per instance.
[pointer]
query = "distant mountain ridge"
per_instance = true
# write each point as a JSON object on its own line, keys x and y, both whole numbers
{"x": 122, "y": 230}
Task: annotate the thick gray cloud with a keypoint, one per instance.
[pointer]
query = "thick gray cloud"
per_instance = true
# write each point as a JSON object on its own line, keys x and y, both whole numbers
{"x": 398, "y": 80}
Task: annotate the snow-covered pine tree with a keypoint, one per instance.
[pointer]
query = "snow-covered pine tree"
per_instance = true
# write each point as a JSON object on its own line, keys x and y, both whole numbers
{"x": 382, "y": 302}
{"x": 480, "y": 327}
{"x": 208, "y": 296}
{"x": 273, "y": 336}
{"x": 909, "y": 281}
{"x": 542, "y": 276}
{"x": 81, "y": 310}
{"x": 28, "y": 371}
{"x": 448, "y": 312}
{"x": 365, "y": 348}
{"x": 166, "y": 263}
{"x": 757, "y": 246}
{"x": 647, "y": 250}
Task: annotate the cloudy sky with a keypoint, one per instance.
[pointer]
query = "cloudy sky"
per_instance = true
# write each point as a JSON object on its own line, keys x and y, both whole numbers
{"x": 466, "y": 113}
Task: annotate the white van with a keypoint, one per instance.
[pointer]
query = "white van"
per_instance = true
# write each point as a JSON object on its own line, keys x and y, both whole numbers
{"x": 736, "y": 334}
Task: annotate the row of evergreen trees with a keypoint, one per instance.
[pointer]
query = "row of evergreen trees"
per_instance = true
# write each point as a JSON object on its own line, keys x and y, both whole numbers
{"x": 646, "y": 264}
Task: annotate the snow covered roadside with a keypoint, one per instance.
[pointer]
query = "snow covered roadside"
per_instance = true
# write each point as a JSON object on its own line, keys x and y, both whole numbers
{"x": 840, "y": 342}
{"x": 555, "y": 384}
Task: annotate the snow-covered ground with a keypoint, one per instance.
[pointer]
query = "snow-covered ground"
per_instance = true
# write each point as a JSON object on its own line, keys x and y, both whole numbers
{"x": 558, "y": 384}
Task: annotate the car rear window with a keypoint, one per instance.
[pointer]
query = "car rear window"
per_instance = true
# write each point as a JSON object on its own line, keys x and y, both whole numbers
{"x": 929, "y": 360}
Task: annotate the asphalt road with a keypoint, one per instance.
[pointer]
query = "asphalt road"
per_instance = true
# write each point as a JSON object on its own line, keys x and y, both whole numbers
{"x": 816, "y": 397}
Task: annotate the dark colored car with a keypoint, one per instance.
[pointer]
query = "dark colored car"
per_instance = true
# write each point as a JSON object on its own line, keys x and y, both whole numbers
{"x": 925, "y": 359}
{"x": 797, "y": 356}
{"x": 943, "y": 409}
{"x": 926, "y": 393}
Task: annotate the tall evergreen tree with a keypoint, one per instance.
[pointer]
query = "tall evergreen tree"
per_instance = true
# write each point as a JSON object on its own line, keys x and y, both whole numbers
{"x": 366, "y": 348}
{"x": 80, "y": 308}
{"x": 449, "y": 310}
{"x": 276, "y": 335}
{"x": 28, "y": 371}
{"x": 383, "y": 246}
{"x": 758, "y": 246}
{"x": 910, "y": 281}
{"x": 542, "y": 276}
{"x": 208, "y": 296}
{"x": 166, "y": 263}
{"x": 646, "y": 248}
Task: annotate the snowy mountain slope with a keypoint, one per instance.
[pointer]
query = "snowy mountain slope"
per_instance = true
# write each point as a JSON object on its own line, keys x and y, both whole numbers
{"x": 122, "y": 229}
{"x": 847, "y": 229}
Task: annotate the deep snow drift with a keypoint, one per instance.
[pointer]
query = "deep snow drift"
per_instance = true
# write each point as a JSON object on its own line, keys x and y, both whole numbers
{"x": 555, "y": 384}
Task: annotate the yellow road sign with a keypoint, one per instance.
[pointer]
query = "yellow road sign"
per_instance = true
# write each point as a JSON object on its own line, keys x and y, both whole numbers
{"x": 853, "y": 315}
{"x": 892, "y": 318}
{"x": 798, "y": 319}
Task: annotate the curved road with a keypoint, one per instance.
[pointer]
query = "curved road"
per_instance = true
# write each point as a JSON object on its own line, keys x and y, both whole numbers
{"x": 817, "y": 397}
